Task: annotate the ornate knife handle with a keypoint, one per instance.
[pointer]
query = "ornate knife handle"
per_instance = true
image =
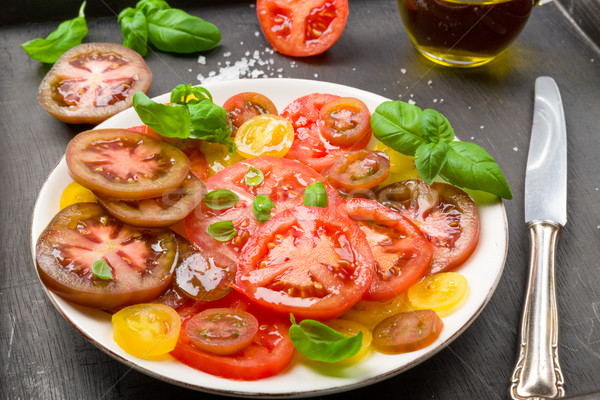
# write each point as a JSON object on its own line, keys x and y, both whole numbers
{"x": 537, "y": 374}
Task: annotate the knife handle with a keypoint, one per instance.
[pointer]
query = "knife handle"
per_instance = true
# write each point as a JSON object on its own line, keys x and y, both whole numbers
{"x": 537, "y": 373}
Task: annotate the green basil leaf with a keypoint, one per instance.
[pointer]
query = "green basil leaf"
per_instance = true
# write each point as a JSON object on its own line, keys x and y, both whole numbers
{"x": 174, "y": 30}
{"x": 261, "y": 206}
{"x": 396, "y": 124}
{"x": 223, "y": 231}
{"x": 429, "y": 159}
{"x": 316, "y": 341}
{"x": 254, "y": 177}
{"x": 186, "y": 94}
{"x": 101, "y": 269}
{"x": 220, "y": 199}
{"x": 149, "y": 6}
{"x": 209, "y": 122}
{"x": 68, "y": 35}
{"x": 168, "y": 120}
{"x": 134, "y": 29}
{"x": 470, "y": 166}
{"x": 435, "y": 127}
{"x": 315, "y": 195}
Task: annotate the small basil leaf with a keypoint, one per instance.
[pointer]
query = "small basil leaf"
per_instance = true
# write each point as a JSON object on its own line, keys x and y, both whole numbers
{"x": 315, "y": 195}
{"x": 261, "y": 206}
{"x": 254, "y": 177}
{"x": 318, "y": 342}
{"x": 186, "y": 94}
{"x": 429, "y": 159}
{"x": 221, "y": 199}
{"x": 149, "y": 6}
{"x": 101, "y": 269}
{"x": 134, "y": 29}
{"x": 209, "y": 122}
{"x": 470, "y": 166}
{"x": 168, "y": 120}
{"x": 435, "y": 127}
{"x": 396, "y": 124}
{"x": 223, "y": 231}
{"x": 68, "y": 35}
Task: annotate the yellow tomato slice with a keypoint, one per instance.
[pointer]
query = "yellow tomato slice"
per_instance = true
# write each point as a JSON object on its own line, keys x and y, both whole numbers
{"x": 439, "y": 292}
{"x": 146, "y": 330}
{"x": 352, "y": 328}
{"x": 264, "y": 135}
{"x": 370, "y": 313}
{"x": 218, "y": 157}
{"x": 75, "y": 193}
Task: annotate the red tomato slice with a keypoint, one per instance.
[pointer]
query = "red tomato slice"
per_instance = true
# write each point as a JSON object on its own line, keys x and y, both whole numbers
{"x": 444, "y": 213}
{"x": 243, "y": 106}
{"x": 141, "y": 261}
{"x": 307, "y": 261}
{"x": 92, "y": 82}
{"x": 402, "y": 254}
{"x": 346, "y": 121}
{"x": 407, "y": 331}
{"x": 359, "y": 170}
{"x": 302, "y": 28}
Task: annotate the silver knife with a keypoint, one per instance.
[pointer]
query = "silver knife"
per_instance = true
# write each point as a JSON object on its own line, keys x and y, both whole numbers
{"x": 537, "y": 373}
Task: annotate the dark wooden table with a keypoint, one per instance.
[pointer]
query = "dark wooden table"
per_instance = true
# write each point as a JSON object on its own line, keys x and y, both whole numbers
{"x": 42, "y": 356}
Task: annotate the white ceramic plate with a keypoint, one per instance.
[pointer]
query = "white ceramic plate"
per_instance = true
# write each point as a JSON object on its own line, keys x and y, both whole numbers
{"x": 483, "y": 271}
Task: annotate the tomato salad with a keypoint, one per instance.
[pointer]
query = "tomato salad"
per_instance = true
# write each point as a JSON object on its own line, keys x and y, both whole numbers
{"x": 235, "y": 261}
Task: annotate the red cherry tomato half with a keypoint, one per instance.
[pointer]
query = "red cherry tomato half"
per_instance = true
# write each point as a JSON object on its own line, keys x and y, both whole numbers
{"x": 444, "y": 213}
{"x": 358, "y": 170}
{"x": 141, "y": 261}
{"x": 92, "y": 82}
{"x": 243, "y": 106}
{"x": 302, "y": 28}
{"x": 122, "y": 164}
{"x": 308, "y": 261}
{"x": 346, "y": 121}
{"x": 402, "y": 254}
{"x": 407, "y": 331}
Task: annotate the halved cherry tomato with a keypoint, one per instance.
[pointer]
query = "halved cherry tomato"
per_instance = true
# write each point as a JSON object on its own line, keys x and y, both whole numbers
{"x": 146, "y": 330}
{"x": 92, "y": 82}
{"x": 173, "y": 206}
{"x": 346, "y": 121}
{"x": 75, "y": 193}
{"x": 141, "y": 261}
{"x": 444, "y": 213}
{"x": 243, "y": 106}
{"x": 308, "y": 261}
{"x": 439, "y": 292}
{"x": 222, "y": 331}
{"x": 352, "y": 328}
{"x": 302, "y": 28}
{"x": 370, "y": 313}
{"x": 264, "y": 135}
{"x": 402, "y": 254}
{"x": 407, "y": 331}
{"x": 218, "y": 157}
{"x": 122, "y": 164}
{"x": 359, "y": 170}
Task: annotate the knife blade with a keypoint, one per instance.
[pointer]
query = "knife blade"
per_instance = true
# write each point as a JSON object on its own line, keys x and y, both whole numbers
{"x": 537, "y": 373}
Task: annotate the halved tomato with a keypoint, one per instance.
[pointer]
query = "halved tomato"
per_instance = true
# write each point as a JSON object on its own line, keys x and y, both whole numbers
{"x": 122, "y": 164}
{"x": 141, "y": 261}
{"x": 308, "y": 261}
{"x": 92, "y": 82}
{"x": 264, "y": 135}
{"x": 302, "y": 28}
{"x": 359, "y": 170}
{"x": 243, "y": 106}
{"x": 444, "y": 213}
{"x": 407, "y": 331}
{"x": 346, "y": 121}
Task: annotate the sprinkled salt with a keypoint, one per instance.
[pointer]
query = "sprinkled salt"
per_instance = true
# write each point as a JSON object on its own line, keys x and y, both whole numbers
{"x": 429, "y": 82}
{"x": 403, "y": 70}
{"x": 257, "y": 33}
{"x": 316, "y": 75}
{"x": 435, "y": 100}
{"x": 481, "y": 127}
{"x": 472, "y": 137}
{"x": 515, "y": 148}
{"x": 227, "y": 54}
{"x": 412, "y": 102}
{"x": 202, "y": 60}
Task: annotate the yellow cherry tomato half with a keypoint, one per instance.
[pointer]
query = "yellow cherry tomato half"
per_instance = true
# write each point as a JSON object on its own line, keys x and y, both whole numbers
{"x": 75, "y": 193}
{"x": 439, "y": 292}
{"x": 370, "y": 313}
{"x": 352, "y": 328}
{"x": 218, "y": 157}
{"x": 264, "y": 135}
{"x": 146, "y": 330}
{"x": 399, "y": 163}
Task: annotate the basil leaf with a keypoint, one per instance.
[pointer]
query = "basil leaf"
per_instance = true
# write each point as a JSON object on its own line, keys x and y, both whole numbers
{"x": 396, "y": 124}
{"x": 134, "y": 29}
{"x": 254, "y": 177}
{"x": 261, "y": 206}
{"x": 174, "y": 30}
{"x": 470, "y": 166}
{"x": 317, "y": 341}
{"x": 220, "y": 199}
{"x": 223, "y": 231}
{"x": 149, "y": 6}
{"x": 435, "y": 127}
{"x": 101, "y": 269}
{"x": 315, "y": 195}
{"x": 68, "y": 35}
{"x": 429, "y": 159}
{"x": 186, "y": 94}
{"x": 209, "y": 122}
{"x": 169, "y": 120}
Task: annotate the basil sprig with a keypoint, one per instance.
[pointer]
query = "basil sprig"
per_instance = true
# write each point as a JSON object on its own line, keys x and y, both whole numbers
{"x": 428, "y": 136}
{"x": 261, "y": 207}
{"x": 223, "y": 231}
{"x": 101, "y": 269}
{"x": 220, "y": 199}
{"x": 318, "y": 342}
{"x": 68, "y": 34}
{"x": 315, "y": 195}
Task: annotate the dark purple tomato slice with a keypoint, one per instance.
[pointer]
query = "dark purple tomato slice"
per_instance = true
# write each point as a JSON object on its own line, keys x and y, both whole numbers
{"x": 407, "y": 331}
{"x": 141, "y": 261}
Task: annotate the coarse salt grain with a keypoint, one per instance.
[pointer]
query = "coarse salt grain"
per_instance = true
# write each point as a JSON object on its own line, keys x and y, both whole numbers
{"x": 202, "y": 60}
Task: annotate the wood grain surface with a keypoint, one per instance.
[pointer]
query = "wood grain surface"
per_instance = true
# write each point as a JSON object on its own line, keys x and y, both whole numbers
{"x": 43, "y": 357}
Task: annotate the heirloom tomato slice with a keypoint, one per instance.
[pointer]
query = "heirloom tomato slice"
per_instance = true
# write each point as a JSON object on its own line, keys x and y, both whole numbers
{"x": 444, "y": 213}
{"x": 141, "y": 261}
{"x": 359, "y": 170}
{"x": 302, "y": 28}
{"x": 308, "y": 261}
{"x": 402, "y": 254}
{"x": 92, "y": 82}
{"x": 243, "y": 106}
{"x": 264, "y": 135}
{"x": 346, "y": 121}
{"x": 407, "y": 331}
{"x": 122, "y": 164}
